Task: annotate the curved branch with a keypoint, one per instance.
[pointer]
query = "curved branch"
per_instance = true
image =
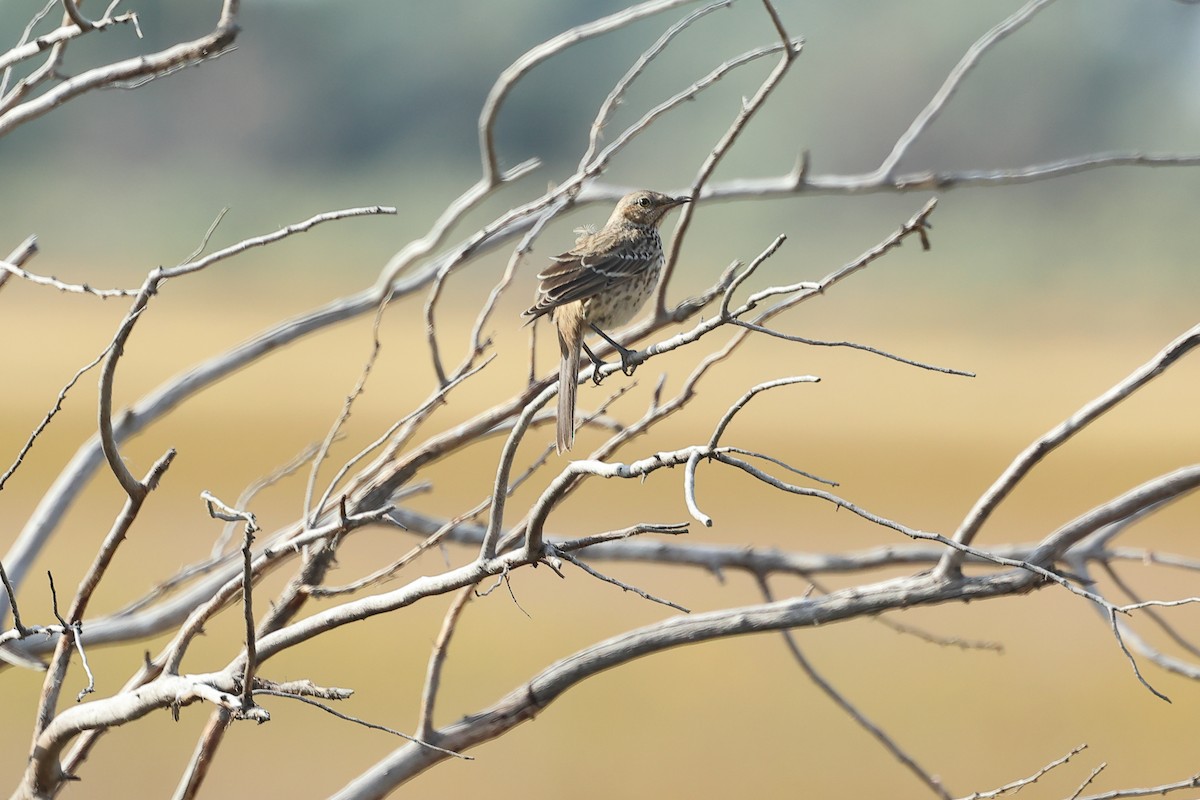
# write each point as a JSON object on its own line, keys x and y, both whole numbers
{"x": 528, "y": 700}
{"x": 1048, "y": 442}
{"x": 159, "y": 63}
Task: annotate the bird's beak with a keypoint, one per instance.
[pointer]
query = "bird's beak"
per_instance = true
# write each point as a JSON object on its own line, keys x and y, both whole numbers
{"x": 678, "y": 201}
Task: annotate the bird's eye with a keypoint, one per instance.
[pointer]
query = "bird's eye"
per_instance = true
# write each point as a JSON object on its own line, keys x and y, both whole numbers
{"x": 644, "y": 202}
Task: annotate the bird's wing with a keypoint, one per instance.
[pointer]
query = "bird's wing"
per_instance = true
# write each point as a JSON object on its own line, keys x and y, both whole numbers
{"x": 578, "y": 276}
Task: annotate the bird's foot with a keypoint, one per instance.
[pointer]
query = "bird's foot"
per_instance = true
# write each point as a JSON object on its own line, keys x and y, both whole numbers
{"x": 628, "y": 357}
{"x": 628, "y": 360}
{"x": 597, "y": 363}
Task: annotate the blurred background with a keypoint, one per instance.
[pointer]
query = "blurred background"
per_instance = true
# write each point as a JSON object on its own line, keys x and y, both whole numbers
{"x": 1051, "y": 292}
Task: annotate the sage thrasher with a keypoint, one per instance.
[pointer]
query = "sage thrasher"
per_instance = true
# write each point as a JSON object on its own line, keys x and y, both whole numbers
{"x": 601, "y": 283}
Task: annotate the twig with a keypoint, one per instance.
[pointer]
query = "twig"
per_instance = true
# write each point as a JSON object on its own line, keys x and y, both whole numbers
{"x": 741, "y": 402}
{"x": 852, "y": 345}
{"x": 747, "y": 272}
{"x": 1088, "y": 781}
{"x": 608, "y": 579}
{"x": 17, "y": 258}
{"x": 45, "y": 422}
{"x": 72, "y": 636}
{"x": 9, "y": 268}
{"x": 52, "y": 685}
{"x": 437, "y": 657}
{"x": 1188, "y": 783}
{"x": 850, "y": 709}
{"x": 510, "y": 76}
{"x": 219, "y": 38}
{"x": 76, "y": 16}
{"x": 1116, "y": 630}
{"x": 614, "y": 97}
{"x": 943, "y": 94}
{"x": 12, "y": 602}
{"x": 311, "y": 513}
{"x": 556, "y": 679}
{"x": 1017, "y": 786}
{"x": 250, "y": 492}
{"x": 21, "y": 51}
{"x": 574, "y": 545}
{"x": 941, "y": 641}
{"x": 208, "y": 234}
{"x": 373, "y": 726}
{"x": 779, "y": 463}
{"x": 1061, "y": 433}
{"x": 400, "y": 431}
{"x": 689, "y": 488}
{"x": 303, "y": 226}
{"x": 749, "y": 108}
{"x": 228, "y": 514}
{"x": 1153, "y": 615}
{"x": 504, "y": 469}
{"x": 116, "y": 535}
{"x": 207, "y": 743}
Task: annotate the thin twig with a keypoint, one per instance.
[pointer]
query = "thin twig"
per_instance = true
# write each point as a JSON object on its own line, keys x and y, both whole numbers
{"x": 1116, "y": 630}
{"x": 749, "y": 108}
{"x": 747, "y": 272}
{"x": 849, "y": 708}
{"x": 437, "y": 658}
{"x": 1088, "y": 781}
{"x": 20, "y": 51}
{"x": 1061, "y": 433}
{"x": 9, "y": 268}
{"x": 741, "y": 402}
{"x": 624, "y": 586}
{"x": 1120, "y": 794}
{"x": 12, "y": 602}
{"x": 373, "y": 726}
{"x": 618, "y": 91}
{"x": 206, "y": 744}
{"x": 248, "y": 613}
{"x": 852, "y": 345}
{"x": 311, "y": 513}
{"x": 551, "y": 47}
{"x": 952, "y": 82}
{"x": 45, "y": 421}
{"x": 1017, "y": 786}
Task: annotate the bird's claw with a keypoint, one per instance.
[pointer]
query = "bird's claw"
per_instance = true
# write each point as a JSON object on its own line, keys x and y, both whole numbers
{"x": 627, "y": 362}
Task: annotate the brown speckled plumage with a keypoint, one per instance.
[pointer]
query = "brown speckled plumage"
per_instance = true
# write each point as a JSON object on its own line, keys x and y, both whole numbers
{"x": 602, "y": 281}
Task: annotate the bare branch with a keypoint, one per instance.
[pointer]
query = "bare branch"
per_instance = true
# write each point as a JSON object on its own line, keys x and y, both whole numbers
{"x": 852, "y": 345}
{"x": 939, "y": 100}
{"x": 749, "y": 108}
{"x": 519, "y": 68}
{"x": 45, "y": 422}
{"x": 861, "y": 719}
{"x": 1039, "y": 449}
{"x": 137, "y": 67}
{"x": 19, "y": 52}
{"x": 623, "y": 586}
{"x": 614, "y": 97}
{"x": 1017, "y": 786}
{"x": 437, "y": 657}
{"x": 1088, "y": 781}
{"x": 1150, "y": 791}
{"x": 71, "y": 288}
{"x": 715, "y": 439}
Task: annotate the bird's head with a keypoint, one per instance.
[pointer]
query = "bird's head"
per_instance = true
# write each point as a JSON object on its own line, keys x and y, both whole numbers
{"x": 645, "y": 207}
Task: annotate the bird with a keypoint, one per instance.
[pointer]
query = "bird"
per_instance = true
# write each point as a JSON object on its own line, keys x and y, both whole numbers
{"x": 601, "y": 283}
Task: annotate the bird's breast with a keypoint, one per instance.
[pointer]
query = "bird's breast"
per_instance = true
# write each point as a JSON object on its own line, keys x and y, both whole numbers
{"x": 622, "y": 300}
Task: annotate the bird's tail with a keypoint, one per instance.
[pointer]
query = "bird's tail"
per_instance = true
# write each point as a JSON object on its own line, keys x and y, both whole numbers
{"x": 569, "y": 321}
